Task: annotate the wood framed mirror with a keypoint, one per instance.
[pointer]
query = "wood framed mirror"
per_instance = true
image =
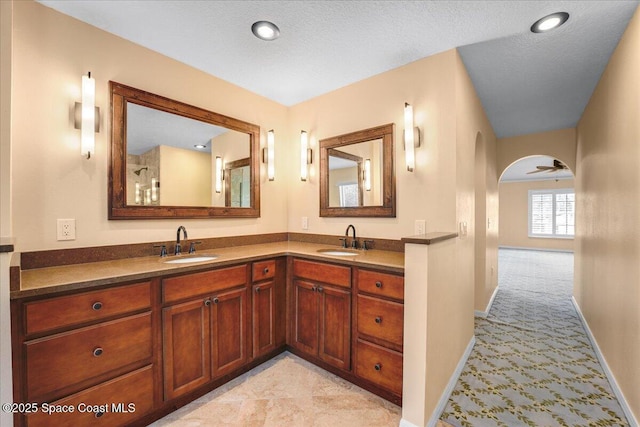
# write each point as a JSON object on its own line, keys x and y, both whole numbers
{"x": 163, "y": 160}
{"x": 357, "y": 174}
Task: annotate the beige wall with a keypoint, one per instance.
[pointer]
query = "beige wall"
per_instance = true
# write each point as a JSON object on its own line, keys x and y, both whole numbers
{"x": 427, "y": 84}
{"x": 560, "y": 144}
{"x": 514, "y": 215}
{"x": 477, "y": 191}
{"x": 51, "y": 180}
{"x": 607, "y": 246}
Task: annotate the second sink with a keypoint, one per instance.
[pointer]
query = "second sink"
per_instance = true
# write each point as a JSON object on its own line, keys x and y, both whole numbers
{"x": 338, "y": 252}
{"x": 187, "y": 260}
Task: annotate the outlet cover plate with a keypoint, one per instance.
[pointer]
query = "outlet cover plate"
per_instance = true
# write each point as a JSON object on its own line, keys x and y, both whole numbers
{"x": 66, "y": 229}
{"x": 420, "y": 226}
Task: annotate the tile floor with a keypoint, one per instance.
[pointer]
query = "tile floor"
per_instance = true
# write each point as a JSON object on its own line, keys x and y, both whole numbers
{"x": 286, "y": 392}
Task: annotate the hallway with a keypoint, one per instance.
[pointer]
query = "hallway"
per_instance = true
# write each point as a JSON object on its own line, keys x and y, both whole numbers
{"x": 533, "y": 363}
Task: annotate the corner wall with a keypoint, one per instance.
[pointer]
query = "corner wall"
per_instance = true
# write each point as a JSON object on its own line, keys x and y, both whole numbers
{"x": 607, "y": 252}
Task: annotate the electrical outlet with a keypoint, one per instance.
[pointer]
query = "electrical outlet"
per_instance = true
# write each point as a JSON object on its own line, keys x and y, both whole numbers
{"x": 66, "y": 229}
{"x": 420, "y": 226}
{"x": 305, "y": 223}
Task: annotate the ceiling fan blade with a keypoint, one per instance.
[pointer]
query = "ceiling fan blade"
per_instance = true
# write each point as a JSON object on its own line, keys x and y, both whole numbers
{"x": 545, "y": 167}
{"x": 539, "y": 170}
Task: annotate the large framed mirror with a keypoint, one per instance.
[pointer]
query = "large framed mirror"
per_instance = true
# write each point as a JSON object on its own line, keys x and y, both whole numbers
{"x": 169, "y": 159}
{"x": 357, "y": 174}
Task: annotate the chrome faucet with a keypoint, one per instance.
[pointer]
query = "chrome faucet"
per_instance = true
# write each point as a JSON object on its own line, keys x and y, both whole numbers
{"x": 354, "y": 242}
{"x": 178, "y": 250}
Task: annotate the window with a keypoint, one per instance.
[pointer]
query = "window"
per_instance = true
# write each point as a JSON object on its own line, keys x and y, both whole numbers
{"x": 348, "y": 195}
{"x": 552, "y": 213}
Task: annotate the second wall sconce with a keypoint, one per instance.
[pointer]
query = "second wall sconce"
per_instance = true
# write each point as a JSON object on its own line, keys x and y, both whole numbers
{"x": 87, "y": 116}
{"x": 268, "y": 155}
{"x": 411, "y": 137}
{"x": 306, "y": 155}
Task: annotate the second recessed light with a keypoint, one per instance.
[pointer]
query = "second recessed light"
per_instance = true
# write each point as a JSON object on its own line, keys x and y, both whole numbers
{"x": 550, "y": 22}
{"x": 265, "y": 30}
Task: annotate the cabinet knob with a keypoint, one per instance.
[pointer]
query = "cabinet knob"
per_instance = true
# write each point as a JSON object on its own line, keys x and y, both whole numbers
{"x": 98, "y": 352}
{"x": 378, "y": 320}
{"x": 266, "y": 270}
{"x": 378, "y": 284}
{"x": 257, "y": 289}
{"x": 377, "y": 367}
{"x": 314, "y": 289}
{"x": 207, "y": 302}
{"x": 320, "y": 289}
{"x": 97, "y": 305}
{"x": 216, "y": 300}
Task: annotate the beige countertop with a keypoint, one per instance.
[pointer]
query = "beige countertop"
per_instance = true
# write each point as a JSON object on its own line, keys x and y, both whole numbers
{"x": 52, "y": 280}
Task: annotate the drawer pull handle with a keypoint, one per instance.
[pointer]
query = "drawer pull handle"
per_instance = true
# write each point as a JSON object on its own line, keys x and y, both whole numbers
{"x": 216, "y": 300}
{"x": 266, "y": 270}
{"x": 378, "y": 285}
{"x": 378, "y": 320}
{"x": 377, "y": 367}
{"x": 99, "y": 414}
{"x": 207, "y": 302}
{"x": 98, "y": 352}
{"x": 97, "y": 305}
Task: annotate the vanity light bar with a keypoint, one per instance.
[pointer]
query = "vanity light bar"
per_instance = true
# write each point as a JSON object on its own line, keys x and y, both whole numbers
{"x": 411, "y": 137}
{"x": 271, "y": 170}
{"x": 305, "y": 155}
{"x": 219, "y": 173}
{"x": 367, "y": 174}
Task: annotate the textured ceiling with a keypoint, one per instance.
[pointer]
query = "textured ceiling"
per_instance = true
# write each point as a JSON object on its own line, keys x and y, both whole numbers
{"x": 527, "y": 82}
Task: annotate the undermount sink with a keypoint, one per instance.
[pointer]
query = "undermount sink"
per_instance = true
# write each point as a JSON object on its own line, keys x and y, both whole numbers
{"x": 188, "y": 260}
{"x": 338, "y": 252}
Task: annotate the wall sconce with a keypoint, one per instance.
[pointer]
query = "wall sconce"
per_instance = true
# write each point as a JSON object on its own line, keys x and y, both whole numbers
{"x": 219, "y": 174}
{"x": 306, "y": 155}
{"x": 154, "y": 189}
{"x": 87, "y": 116}
{"x": 411, "y": 137}
{"x": 268, "y": 155}
{"x": 367, "y": 174}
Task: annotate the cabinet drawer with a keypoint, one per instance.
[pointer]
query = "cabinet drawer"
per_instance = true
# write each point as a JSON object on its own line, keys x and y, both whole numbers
{"x": 263, "y": 270}
{"x": 381, "y": 319}
{"x": 113, "y": 403}
{"x": 71, "y": 358}
{"x": 382, "y": 284}
{"x": 191, "y": 285}
{"x": 379, "y": 365}
{"x": 321, "y": 272}
{"x": 72, "y": 310}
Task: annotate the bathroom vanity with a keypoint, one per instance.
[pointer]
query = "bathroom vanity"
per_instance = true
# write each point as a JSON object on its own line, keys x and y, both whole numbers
{"x": 128, "y": 341}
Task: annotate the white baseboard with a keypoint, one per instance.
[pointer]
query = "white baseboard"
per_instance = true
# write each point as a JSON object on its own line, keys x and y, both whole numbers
{"x": 442, "y": 403}
{"x": 633, "y": 422}
{"x": 405, "y": 423}
{"x": 484, "y": 314}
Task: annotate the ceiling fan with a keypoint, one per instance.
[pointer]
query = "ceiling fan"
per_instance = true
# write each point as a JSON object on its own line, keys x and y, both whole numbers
{"x": 557, "y": 165}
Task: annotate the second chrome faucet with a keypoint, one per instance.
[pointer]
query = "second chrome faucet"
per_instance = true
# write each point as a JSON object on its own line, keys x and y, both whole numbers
{"x": 354, "y": 242}
{"x": 178, "y": 250}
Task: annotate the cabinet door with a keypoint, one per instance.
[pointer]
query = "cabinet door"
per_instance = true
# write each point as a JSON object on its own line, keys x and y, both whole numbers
{"x": 187, "y": 344}
{"x": 263, "y": 315}
{"x": 335, "y": 326}
{"x": 305, "y": 317}
{"x": 229, "y": 328}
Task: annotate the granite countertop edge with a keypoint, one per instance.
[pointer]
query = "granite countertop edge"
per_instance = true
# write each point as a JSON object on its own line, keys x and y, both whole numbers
{"x": 61, "y": 279}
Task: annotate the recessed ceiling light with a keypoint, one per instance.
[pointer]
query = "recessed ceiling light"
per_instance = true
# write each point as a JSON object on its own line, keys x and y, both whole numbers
{"x": 265, "y": 30}
{"x": 550, "y": 22}
{"x": 200, "y": 146}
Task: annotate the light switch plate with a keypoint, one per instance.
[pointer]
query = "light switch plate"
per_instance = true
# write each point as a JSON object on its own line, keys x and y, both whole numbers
{"x": 66, "y": 229}
{"x": 420, "y": 226}
{"x": 305, "y": 223}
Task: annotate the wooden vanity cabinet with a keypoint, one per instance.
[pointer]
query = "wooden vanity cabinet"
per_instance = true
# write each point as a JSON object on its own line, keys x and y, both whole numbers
{"x": 89, "y": 348}
{"x": 268, "y": 306}
{"x": 379, "y": 327}
{"x": 204, "y": 327}
{"x": 321, "y": 311}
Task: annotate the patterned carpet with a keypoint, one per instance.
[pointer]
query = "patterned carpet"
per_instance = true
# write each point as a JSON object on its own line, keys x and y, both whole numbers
{"x": 532, "y": 364}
